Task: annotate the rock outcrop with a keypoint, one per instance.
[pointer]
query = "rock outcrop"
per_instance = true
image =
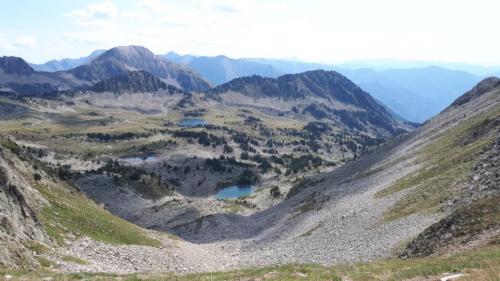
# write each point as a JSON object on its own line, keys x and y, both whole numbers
{"x": 133, "y": 81}
{"x": 19, "y": 202}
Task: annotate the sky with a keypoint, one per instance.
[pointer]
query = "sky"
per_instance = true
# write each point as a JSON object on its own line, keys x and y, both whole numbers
{"x": 326, "y": 31}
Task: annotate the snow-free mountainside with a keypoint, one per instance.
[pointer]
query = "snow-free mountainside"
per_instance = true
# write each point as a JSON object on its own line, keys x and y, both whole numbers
{"x": 129, "y": 166}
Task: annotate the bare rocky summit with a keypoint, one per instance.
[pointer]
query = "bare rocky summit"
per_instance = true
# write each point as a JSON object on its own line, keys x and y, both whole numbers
{"x": 119, "y": 60}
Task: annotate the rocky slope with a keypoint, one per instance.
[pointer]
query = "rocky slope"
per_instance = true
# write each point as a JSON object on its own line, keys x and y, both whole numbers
{"x": 19, "y": 204}
{"x": 431, "y": 185}
{"x": 133, "y": 81}
{"x": 474, "y": 218}
{"x": 374, "y": 204}
{"x": 483, "y": 87}
{"x": 47, "y": 223}
{"x": 313, "y": 94}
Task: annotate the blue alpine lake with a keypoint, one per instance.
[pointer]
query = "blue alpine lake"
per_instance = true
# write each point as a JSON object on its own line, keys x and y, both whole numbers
{"x": 192, "y": 122}
{"x": 235, "y": 191}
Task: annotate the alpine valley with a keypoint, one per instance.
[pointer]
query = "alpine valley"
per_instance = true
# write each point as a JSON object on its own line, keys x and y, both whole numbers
{"x": 126, "y": 165}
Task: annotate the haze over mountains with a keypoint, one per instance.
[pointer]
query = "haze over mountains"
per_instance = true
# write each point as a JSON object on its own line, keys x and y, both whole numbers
{"x": 312, "y": 95}
{"x": 19, "y": 77}
{"x": 415, "y": 91}
{"x": 416, "y": 94}
{"x": 66, "y": 64}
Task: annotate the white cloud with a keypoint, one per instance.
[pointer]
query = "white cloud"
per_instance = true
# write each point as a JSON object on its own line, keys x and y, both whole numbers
{"x": 314, "y": 30}
{"x": 97, "y": 14}
{"x": 156, "y": 5}
{"x": 25, "y": 41}
{"x": 20, "y": 42}
{"x": 134, "y": 15}
{"x": 5, "y": 44}
{"x": 94, "y": 37}
{"x": 228, "y": 6}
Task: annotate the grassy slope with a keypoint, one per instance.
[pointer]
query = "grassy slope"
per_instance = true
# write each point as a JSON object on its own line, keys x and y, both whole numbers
{"x": 70, "y": 211}
{"x": 74, "y": 212}
{"x": 446, "y": 161}
{"x": 479, "y": 265}
{"x": 459, "y": 229}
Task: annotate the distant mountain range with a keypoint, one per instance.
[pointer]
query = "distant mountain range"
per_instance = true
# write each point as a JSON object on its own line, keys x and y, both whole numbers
{"x": 66, "y": 64}
{"x": 383, "y": 64}
{"x": 415, "y": 94}
{"x": 18, "y": 76}
{"x": 221, "y": 69}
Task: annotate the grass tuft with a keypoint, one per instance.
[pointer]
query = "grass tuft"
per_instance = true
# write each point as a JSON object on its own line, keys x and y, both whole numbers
{"x": 75, "y": 260}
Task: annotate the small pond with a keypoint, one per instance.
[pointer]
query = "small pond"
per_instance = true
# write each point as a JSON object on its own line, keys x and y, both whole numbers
{"x": 235, "y": 191}
{"x": 192, "y": 122}
{"x": 138, "y": 160}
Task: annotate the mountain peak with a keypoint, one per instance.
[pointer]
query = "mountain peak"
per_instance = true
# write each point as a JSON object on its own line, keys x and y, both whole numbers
{"x": 120, "y": 60}
{"x": 481, "y": 88}
{"x": 320, "y": 83}
{"x": 128, "y": 53}
{"x": 15, "y": 65}
{"x": 316, "y": 94}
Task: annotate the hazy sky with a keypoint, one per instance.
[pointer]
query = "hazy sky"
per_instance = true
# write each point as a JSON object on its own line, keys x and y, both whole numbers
{"x": 312, "y": 30}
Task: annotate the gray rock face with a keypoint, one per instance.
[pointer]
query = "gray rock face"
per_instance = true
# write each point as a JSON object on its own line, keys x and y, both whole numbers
{"x": 133, "y": 81}
{"x": 18, "y": 219}
{"x": 15, "y": 65}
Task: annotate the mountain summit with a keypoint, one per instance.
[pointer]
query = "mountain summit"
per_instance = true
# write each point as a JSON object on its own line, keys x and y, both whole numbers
{"x": 315, "y": 94}
{"x": 329, "y": 85}
{"x": 119, "y": 60}
{"x": 483, "y": 87}
{"x": 15, "y": 65}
